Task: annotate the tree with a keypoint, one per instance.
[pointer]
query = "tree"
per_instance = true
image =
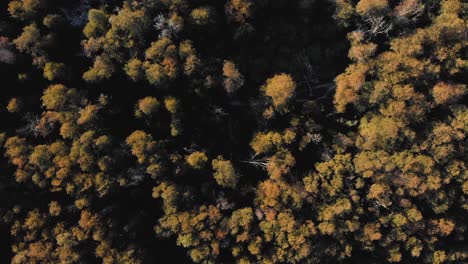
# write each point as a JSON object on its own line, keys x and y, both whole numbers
{"x": 202, "y": 16}
{"x": 58, "y": 97}
{"x": 54, "y": 71}
{"x": 239, "y": 10}
{"x": 280, "y": 88}
{"x": 155, "y": 74}
{"x": 53, "y": 21}
{"x": 370, "y": 7}
{"x": 97, "y": 24}
{"x": 142, "y": 145}
{"x": 147, "y": 106}
{"x": 54, "y": 208}
{"x": 233, "y": 79}
{"x": 15, "y": 105}
{"x": 448, "y": 93}
{"x": 29, "y": 40}
{"x": 134, "y": 69}
{"x": 24, "y": 9}
{"x": 197, "y": 160}
{"x": 225, "y": 175}
{"x": 102, "y": 69}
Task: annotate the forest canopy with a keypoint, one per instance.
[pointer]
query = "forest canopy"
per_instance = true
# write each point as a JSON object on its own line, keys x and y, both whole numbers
{"x": 233, "y": 131}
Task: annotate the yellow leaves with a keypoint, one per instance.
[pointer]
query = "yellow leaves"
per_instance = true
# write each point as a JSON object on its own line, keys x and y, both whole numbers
{"x": 344, "y": 10}
{"x": 17, "y": 150}
{"x": 199, "y": 253}
{"x": 225, "y": 175}
{"x": 265, "y": 142}
{"x": 197, "y": 160}
{"x": 54, "y": 70}
{"x": 97, "y": 24}
{"x": 444, "y": 93}
{"x": 370, "y": 162}
{"x": 330, "y": 212}
{"x": 24, "y": 9}
{"x": 362, "y": 52}
{"x": 142, "y": 145}
{"x": 332, "y": 173}
{"x": 40, "y": 157}
{"x": 134, "y": 69}
{"x": 399, "y": 220}
{"x": 254, "y": 247}
{"x": 434, "y": 182}
{"x": 280, "y": 88}
{"x": 56, "y": 97}
{"x": 280, "y": 164}
{"x": 241, "y": 220}
{"x": 202, "y": 16}
{"x": 414, "y": 215}
{"x": 168, "y": 192}
{"x": 378, "y": 132}
{"x": 268, "y": 193}
{"x": 311, "y": 183}
{"x": 410, "y": 46}
{"x": 376, "y": 190}
{"x": 186, "y": 49}
{"x": 326, "y": 228}
{"x": 443, "y": 142}
{"x": 171, "y": 104}
{"x": 15, "y": 105}
{"x": 451, "y": 6}
{"x": 439, "y": 257}
{"x": 394, "y": 254}
{"x": 155, "y": 74}
{"x": 132, "y": 22}
{"x": 185, "y": 240}
{"x": 102, "y": 69}
{"x": 88, "y": 114}
{"x": 160, "y": 49}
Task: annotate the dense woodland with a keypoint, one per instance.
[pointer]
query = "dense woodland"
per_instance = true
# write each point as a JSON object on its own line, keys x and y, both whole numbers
{"x": 233, "y": 131}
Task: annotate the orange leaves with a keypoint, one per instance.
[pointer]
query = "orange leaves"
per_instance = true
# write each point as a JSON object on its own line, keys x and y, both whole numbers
{"x": 233, "y": 79}
{"x": 280, "y": 88}
{"x": 348, "y": 86}
{"x": 142, "y": 145}
{"x": 239, "y": 10}
{"x": 372, "y": 232}
{"x": 371, "y": 7}
{"x": 409, "y": 8}
{"x": 444, "y": 93}
{"x": 379, "y": 132}
{"x": 147, "y": 106}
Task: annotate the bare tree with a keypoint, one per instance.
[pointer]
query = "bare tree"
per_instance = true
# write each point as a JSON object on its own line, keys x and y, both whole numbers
{"x": 376, "y": 25}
